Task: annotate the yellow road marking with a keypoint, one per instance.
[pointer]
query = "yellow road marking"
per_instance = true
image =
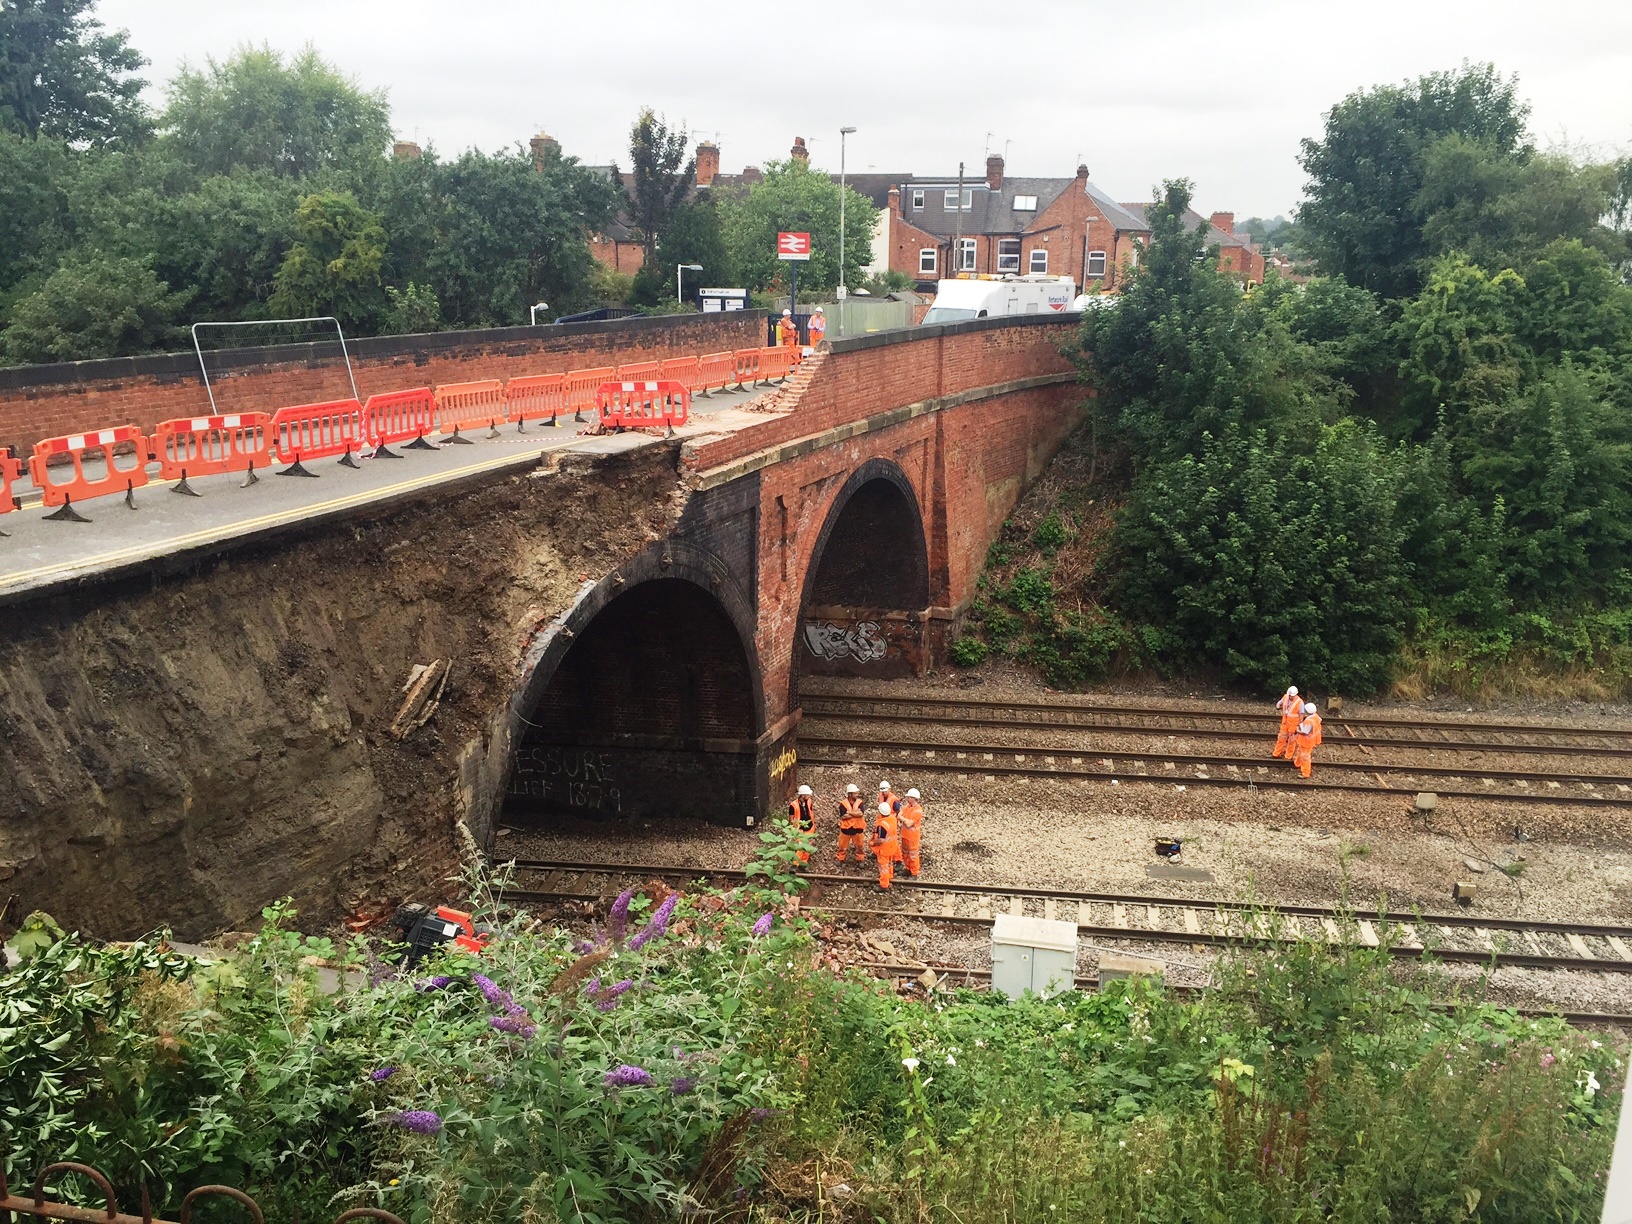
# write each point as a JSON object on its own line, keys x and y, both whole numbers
{"x": 173, "y": 543}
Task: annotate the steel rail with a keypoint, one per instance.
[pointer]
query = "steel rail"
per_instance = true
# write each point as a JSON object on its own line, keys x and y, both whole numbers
{"x": 808, "y": 695}
{"x": 867, "y": 754}
{"x": 1029, "y": 720}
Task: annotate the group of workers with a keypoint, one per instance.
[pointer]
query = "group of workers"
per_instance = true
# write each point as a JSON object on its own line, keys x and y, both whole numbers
{"x": 787, "y": 328}
{"x": 1300, "y": 730}
{"x": 896, "y": 836}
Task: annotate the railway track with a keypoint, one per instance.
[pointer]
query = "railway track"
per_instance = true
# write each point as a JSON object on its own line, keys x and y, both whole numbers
{"x": 1112, "y": 717}
{"x": 1462, "y": 938}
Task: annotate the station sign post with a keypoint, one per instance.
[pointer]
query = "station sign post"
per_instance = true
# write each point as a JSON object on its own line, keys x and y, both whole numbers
{"x": 795, "y": 248}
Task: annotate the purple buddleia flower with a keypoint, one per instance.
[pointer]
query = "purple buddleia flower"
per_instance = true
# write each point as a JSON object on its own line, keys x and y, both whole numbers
{"x": 682, "y": 1085}
{"x": 593, "y": 986}
{"x": 658, "y": 925}
{"x": 763, "y": 926}
{"x": 516, "y": 1026}
{"x": 382, "y": 1073}
{"x": 617, "y": 921}
{"x": 420, "y": 1121}
{"x": 583, "y": 947}
{"x": 491, "y": 992}
{"x": 439, "y": 982}
{"x": 759, "y": 1115}
{"x": 627, "y": 1076}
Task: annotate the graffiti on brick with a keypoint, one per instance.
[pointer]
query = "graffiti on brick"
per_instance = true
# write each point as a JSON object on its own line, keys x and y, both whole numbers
{"x": 783, "y": 763}
{"x": 571, "y": 776}
{"x": 863, "y": 642}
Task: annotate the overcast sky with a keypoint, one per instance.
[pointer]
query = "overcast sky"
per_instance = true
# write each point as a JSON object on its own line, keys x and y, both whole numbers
{"x": 1218, "y": 91}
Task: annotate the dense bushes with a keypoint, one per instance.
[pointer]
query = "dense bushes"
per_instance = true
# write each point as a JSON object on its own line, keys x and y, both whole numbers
{"x": 694, "y": 1055}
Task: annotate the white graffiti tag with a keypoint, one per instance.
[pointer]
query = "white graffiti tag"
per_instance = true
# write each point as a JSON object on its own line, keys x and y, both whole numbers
{"x": 829, "y": 641}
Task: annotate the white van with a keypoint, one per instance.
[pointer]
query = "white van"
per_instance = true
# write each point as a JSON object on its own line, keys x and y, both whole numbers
{"x": 986, "y": 296}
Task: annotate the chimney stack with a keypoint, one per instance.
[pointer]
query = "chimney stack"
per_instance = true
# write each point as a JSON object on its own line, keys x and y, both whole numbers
{"x": 895, "y": 200}
{"x": 405, "y": 150}
{"x": 708, "y": 162}
{"x": 1225, "y": 222}
{"x": 546, "y": 149}
{"x": 799, "y": 152}
{"x": 1082, "y": 173}
{"x": 752, "y": 175}
{"x": 994, "y": 172}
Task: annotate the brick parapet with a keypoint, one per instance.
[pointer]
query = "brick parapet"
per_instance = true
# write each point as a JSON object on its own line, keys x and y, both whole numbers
{"x": 71, "y": 397}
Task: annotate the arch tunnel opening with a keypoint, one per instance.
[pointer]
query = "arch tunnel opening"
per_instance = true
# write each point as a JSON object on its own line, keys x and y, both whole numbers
{"x": 650, "y": 714}
{"x": 862, "y": 612}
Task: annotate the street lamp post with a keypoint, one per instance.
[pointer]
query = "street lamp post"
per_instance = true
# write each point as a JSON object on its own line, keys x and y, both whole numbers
{"x": 532, "y": 319}
{"x": 843, "y": 292}
{"x": 679, "y": 271}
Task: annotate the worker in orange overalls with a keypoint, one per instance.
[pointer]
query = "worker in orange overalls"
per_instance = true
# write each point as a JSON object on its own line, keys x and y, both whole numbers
{"x": 1291, "y": 707}
{"x": 802, "y": 815}
{"x": 886, "y": 795}
{"x": 886, "y": 845}
{"x": 789, "y": 330}
{"x": 852, "y": 825}
{"x": 910, "y": 821}
{"x": 1309, "y": 738}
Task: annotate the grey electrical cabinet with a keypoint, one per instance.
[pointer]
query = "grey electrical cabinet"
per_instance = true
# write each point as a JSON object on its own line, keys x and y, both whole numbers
{"x": 1036, "y": 954}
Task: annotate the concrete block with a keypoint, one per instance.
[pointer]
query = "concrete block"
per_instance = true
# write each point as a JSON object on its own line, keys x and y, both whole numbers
{"x": 1464, "y": 891}
{"x": 1427, "y": 801}
{"x": 1114, "y": 965}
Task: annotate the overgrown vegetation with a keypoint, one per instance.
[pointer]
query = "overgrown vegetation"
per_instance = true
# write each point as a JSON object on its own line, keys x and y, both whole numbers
{"x": 694, "y": 1054}
{"x": 1413, "y": 470}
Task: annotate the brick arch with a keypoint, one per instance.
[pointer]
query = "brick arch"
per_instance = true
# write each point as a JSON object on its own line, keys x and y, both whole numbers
{"x": 646, "y": 699}
{"x": 877, "y": 497}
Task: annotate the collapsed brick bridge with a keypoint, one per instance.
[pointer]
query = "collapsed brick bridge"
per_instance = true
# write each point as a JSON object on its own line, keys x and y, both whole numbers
{"x": 190, "y": 737}
{"x": 843, "y": 536}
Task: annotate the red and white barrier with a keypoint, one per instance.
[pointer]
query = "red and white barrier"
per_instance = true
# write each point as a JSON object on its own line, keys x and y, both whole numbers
{"x": 643, "y": 405}
{"x": 75, "y": 447}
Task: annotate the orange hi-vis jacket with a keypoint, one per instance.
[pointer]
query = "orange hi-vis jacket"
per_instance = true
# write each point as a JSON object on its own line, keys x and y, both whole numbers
{"x": 887, "y": 840}
{"x": 1316, "y": 734}
{"x": 911, "y": 821}
{"x": 889, "y": 798}
{"x": 1291, "y": 709}
{"x": 790, "y": 334}
{"x": 802, "y": 812}
{"x": 852, "y": 814}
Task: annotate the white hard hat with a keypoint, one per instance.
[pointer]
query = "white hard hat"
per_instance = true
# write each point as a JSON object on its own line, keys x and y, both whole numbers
{"x": 787, "y": 312}
{"x": 883, "y": 809}
{"x": 818, "y": 310}
{"x": 1310, "y": 708}
{"x": 852, "y": 789}
{"x": 883, "y": 786}
{"x": 913, "y": 793}
{"x": 1293, "y": 691}
{"x": 805, "y": 790}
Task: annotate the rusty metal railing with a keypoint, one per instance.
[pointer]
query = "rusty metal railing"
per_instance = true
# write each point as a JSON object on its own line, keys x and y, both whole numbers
{"x": 12, "y": 1205}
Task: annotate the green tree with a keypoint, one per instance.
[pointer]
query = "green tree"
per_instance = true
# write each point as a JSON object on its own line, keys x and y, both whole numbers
{"x": 1459, "y": 344}
{"x": 94, "y": 305}
{"x": 37, "y": 205}
{"x": 63, "y": 76}
{"x": 411, "y": 311}
{"x": 334, "y": 266}
{"x": 792, "y": 196}
{"x": 693, "y": 237}
{"x": 227, "y": 237}
{"x": 298, "y": 118}
{"x": 662, "y": 176}
{"x": 1362, "y": 216}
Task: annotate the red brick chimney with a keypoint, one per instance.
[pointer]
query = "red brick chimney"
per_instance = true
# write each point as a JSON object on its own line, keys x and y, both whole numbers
{"x": 895, "y": 200}
{"x": 708, "y": 162}
{"x": 405, "y": 150}
{"x": 1225, "y": 222}
{"x": 1082, "y": 174}
{"x": 546, "y": 149}
{"x": 799, "y": 152}
{"x": 752, "y": 175}
{"x": 994, "y": 172}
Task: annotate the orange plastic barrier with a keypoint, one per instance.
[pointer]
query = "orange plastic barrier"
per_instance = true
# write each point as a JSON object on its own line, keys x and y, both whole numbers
{"x": 681, "y": 370}
{"x": 536, "y": 397}
{"x": 312, "y": 431}
{"x": 640, "y": 371}
{"x": 642, "y": 405}
{"x": 715, "y": 371}
{"x": 11, "y": 468}
{"x": 777, "y": 362}
{"x": 746, "y": 362}
{"x": 470, "y": 403}
{"x": 396, "y": 416}
{"x": 582, "y": 386}
{"x": 209, "y": 446}
{"x": 115, "y": 480}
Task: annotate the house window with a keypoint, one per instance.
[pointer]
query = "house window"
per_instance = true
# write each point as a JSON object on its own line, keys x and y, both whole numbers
{"x": 951, "y": 203}
{"x": 1096, "y": 263}
{"x": 1008, "y": 254}
{"x": 917, "y": 200}
{"x": 1025, "y": 203}
{"x": 926, "y": 261}
{"x": 966, "y": 255}
{"x": 1039, "y": 259}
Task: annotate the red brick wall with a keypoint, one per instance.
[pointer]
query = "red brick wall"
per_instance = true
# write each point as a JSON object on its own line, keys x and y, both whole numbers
{"x": 49, "y": 401}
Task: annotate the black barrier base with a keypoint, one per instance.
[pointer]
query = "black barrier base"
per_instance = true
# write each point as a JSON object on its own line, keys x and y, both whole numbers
{"x": 579, "y": 416}
{"x": 297, "y": 468}
{"x": 555, "y": 422}
{"x": 347, "y": 461}
{"x": 458, "y": 439}
{"x": 521, "y": 425}
{"x": 130, "y": 493}
{"x": 66, "y": 513}
{"x": 384, "y": 452}
{"x": 492, "y": 429}
{"x": 419, "y": 443}
{"x": 181, "y": 486}
{"x": 250, "y": 478}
